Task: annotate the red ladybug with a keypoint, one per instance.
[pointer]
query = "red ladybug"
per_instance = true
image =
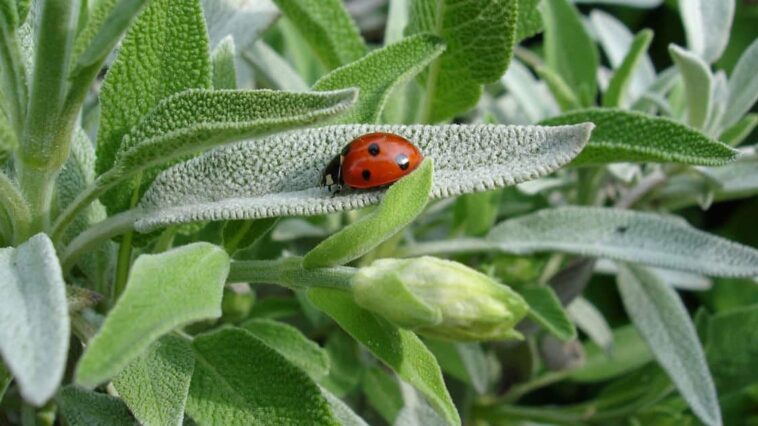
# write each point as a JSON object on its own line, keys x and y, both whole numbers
{"x": 370, "y": 161}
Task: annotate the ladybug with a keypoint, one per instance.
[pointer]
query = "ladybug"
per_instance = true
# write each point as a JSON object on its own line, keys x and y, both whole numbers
{"x": 370, "y": 161}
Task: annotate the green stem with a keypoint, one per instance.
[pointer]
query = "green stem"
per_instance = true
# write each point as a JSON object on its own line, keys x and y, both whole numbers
{"x": 165, "y": 240}
{"x": 447, "y": 247}
{"x": 125, "y": 249}
{"x": 102, "y": 231}
{"x": 13, "y": 78}
{"x": 546, "y": 379}
{"x": 289, "y": 272}
{"x": 16, "y": 208}
{"x": 38, "y": 186}
{"x": 589, "y": 183}
{"x": 231, "y": 245}
{"x": 103, "y": 183}
{"x": 434, "y": 69}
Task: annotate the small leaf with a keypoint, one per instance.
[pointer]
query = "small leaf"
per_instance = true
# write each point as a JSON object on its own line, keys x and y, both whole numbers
{"x": 697, "y": 84}
{"x": 243, "y": 20}
{"x": 155, "y": 385}
{"x": 529, "y": 19}
{"x": 222, "y": 59}
{"x": 743, "y": 86}
{"x": 164, "y": 291}
{"x": 737, "y": 180}
{"x": 291, "y": 344}
{"x": 328, "y": 28}
{"x": 561, "y": 91}
{"x": 81, "y": 407}
{"x": 273, "y": 68}
{"x": 279, "y": 175}
{"x": 379, "y": 72}
{"x": 34, "y": 316}
{"x": 546, "y": 310}
{"x": 629, "y": 352}
{"x": 628, "y": 236}
{"x": 740, "y": 130}
{"x": 520, "y": 83}
{"x": 617, "y": 88}
{"x": 569, "y": 50}
{"x": 707, "y": 25}
{"x": 400, "y": 349}
{"x": 591, "y": 321}
{"x": 731, "y": 348}
{"x": 454, "y": 80}
{"x": 627, "y": 136}
{"x": 404, "y": 201}
{"x": 240, "y": 380}
{"x": 662, "y": 320}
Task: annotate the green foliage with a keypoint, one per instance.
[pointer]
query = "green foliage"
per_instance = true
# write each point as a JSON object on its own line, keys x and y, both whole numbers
{"x": 81, "y": 407}
{"x": 617, "y": 87}
{"x": 697, "y": 85}
{"x": 730, "y": 350}
{"x": 628, "y": 353}
{"x": 529, "y": 19}
{"x": 546, "y": 310}
{"x": 222, "y": 60}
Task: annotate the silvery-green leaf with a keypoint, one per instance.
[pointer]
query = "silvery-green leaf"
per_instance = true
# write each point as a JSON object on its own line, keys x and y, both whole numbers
{"x": 34, "y": 316}
{"x": 591, "y": 321}
{"x": 697, "y": 83}
{"x": 244, "y": 20}
{"x": 274, "y": 69}
{"x": 616, "y": 93}
{"x": 341, "y": 411}
{"x": 737, "y": 180}
{"x": 529, "y": 92}
{"x": 628, "y": 236}
{"x": 625, "y": 172}
{"x": 279, "y": 175}
{"x": 397, "y": 19}
{"x": 677, "y": 279}
{"x": 707, "y": 24}
{"x": 661, "y": 318}
{"x": 654, "y": 96}
{"x": 743, "y": 86}
{"x": 416, "y": 411}
{"x": 719, "y": 104}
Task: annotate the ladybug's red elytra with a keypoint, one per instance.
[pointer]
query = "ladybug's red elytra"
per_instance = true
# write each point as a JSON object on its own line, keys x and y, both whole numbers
{"x": 370, "y": 161}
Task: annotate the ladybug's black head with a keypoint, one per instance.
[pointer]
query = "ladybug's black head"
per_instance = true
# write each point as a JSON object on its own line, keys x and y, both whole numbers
{"x": 332, "y": 174}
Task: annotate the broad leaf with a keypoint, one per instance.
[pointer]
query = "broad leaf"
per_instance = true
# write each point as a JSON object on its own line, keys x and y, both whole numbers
{"x": 291, "y": 344}
{"x": 164, "y": 291}
{"x": 400, "y": 349}
{"x": 707, "y": 24}
{"x": 33, "y": 312}
{"x": 622, "y": 78}
{"x": 155, "y": 385}
{"x": 546, "y": 310}
{"x": 743, "y": 86}
{"x": 328, "y": 28}
{"x": 663, "y": 321}
{"x": 279, "y": 175}
{"x": 240, "y": 380}
{"x": 697, "y": 85}
{"x": 81, "y": 407}
{"x": 731, "y": 350}
{"x": 454, "y": 81}
{"x": 627, "y": 136}
{"x": 403, "y": 202}
{"x": 629, "y": 352}
{"x": 628, "y": 236}
{"x": 379, "y": 72}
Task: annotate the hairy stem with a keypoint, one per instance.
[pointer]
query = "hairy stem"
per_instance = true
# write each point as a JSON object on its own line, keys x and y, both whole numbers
{"x": 16, "y": 209}
{"x": 289, "y": 272}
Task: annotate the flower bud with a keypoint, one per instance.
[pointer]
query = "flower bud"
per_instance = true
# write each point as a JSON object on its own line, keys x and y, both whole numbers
{"x": 439, "y": 298}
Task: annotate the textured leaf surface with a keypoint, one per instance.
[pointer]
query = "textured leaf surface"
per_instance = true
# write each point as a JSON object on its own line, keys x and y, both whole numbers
{"x": 291, "y": 344}
{"x": 35, "y": 325}
{"x": 707, "y": 24}
{"x": 379, "y": 72}
{"x": 546, "y": 310}
{"x": 731, "y": 350}
{"x": 240, "y": 380}
{"x": 164, "y": 291}
{"x": 743, "y": 86}
{"x": 81, "y": 407}
{"x": 404, "y": 201}
{"x": 626, "y": 136}
{"x": 454, "y": 81}
{"x": 328, "y": 28}
{"x": 222, "y": 60}
{"x": 400, "y": 349}
{"x": 698, "y": 80}
{"x": 627, "y": 236}
{"x": 279, "y": 175}
{"x": 663, "y": 321}
{"x": 155, "y": 385}
{"x": 529, "y": 19}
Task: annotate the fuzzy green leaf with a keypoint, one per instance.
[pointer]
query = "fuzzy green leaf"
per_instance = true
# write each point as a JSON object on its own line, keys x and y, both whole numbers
{"x": 240, "y": 380}
{"x": 628, "y": 353}
{"x": 628, "y": 236}
{"x": 454, "y": 81}
{"x": 627, "y": 136}
{"x": 569, "y": 50}
{"x": 743, "y": 86}
{"x": 697, "y": 84}
{"x": 622, "y": 78}
{"x": 222, "y": 59}
{"x": 546, "y": 310}
{"x": 379, "y": 72}
{"x": 328, "y": 28}
{"x": 404, "y": 201}
{"x": 279, "y": 175}
{"x": 529, "y": 19}
{"x": 731, "y": 348}
{"x": 81, "y": 407}
{"x": 400, "y": 349}
{"x": 707, "y": 24}
{"x": 33, "y": 312}
{"x": 165, "y": 52}
{"x": 155, "y": 385}
{"x": 164, "y": 291}
{"x": 291, "y": 344}
{"x": 662, "y": 320}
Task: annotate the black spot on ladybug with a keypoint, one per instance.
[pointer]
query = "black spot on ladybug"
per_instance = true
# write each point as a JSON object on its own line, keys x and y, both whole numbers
{"x": 402, "y": 161}
{"x": 366, "y": 175}
{"x": 373, "y": 149}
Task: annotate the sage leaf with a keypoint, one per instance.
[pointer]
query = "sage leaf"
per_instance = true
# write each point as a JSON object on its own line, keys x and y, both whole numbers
{"x": 152, "y": 64}
{"x": 222, "y": 60}
{"x": 591, "y": 321}
{"x": 164, "y": 291}
{"x": 629, "y": 352}
{"x": 5, "y": 380}
{"x": 400, "y": 349}
{"x": 291, "y": 344}
{"x": 730, "y": 349}
{"x": 454, "y": 80}
{"x": 279, "y": 175}
{"x": 240, "y": 380}
{"x": 627, "y": 236}
{"x": 569, "y": 50}
{"x": 529, "y": 19}
{"x": 743, "y": 86}
{"x": 663, "y": 321}
{"x": 697, "y": 85}
{"x": 416, "y": 411}
{"x": 615, "y": 95}
{"x": 342, "y": 412}
{"x": 737, "y": 180}
{"x": 34, "y": 316}
{"x": 401, "y": 204}
{"x": 546, "y": 310}
{"x": 243, "y": 20}
{"x": 740, "y": 130}
{"x": 328, "y": 28}
{"x": 273, "y": 68}
{"x": 379, "y": 72}
{"x": 707, "y": 25}
{"x": 628, "y": 136}
{"x": 155, "y": 385}
{"x": 81, "y": 407}
{"x": 562, "y": 93}
{"x": 523, "y": 86}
